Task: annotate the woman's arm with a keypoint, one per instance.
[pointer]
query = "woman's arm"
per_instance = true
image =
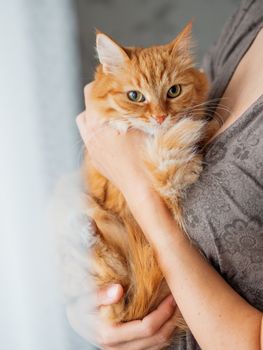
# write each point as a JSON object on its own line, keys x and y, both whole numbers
{"x": 217, "y": 316}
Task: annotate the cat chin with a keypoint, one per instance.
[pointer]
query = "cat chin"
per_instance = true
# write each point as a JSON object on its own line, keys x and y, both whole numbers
{"x": 150, "y": 128}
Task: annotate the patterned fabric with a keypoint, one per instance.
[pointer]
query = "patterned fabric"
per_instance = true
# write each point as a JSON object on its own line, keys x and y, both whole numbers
{"x": 224, "y": 209}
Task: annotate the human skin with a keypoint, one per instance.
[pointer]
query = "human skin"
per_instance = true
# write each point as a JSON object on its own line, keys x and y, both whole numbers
{"x": 217, "y": 316}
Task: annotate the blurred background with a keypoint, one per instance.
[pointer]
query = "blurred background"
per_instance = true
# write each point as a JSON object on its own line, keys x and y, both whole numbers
{"x": 47, "y": 56}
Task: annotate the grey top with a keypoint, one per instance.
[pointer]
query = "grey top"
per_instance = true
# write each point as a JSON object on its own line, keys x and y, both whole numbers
{"x": 224, "y": 209}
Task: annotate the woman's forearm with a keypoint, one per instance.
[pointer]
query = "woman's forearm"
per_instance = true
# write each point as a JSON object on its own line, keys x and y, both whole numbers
{"x": 217, "y": 316}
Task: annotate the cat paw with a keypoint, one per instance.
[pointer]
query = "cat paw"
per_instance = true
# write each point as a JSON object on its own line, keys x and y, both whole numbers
{"x": 172, "y": 159}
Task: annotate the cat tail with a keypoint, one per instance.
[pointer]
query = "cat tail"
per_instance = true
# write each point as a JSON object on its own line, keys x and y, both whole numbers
{"x": 148, "y": 286}
{"x": 136, "y": 270}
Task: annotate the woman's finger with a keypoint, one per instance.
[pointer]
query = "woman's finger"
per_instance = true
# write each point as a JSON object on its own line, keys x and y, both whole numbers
{"x": 109, "y": 295}
{"x": 87, "y": 91}
{"x": 156, "y": 342}
{"x": 141, "y": 329}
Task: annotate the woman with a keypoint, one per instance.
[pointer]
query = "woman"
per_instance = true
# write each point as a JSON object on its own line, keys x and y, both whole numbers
{"x": 220, "y": 296}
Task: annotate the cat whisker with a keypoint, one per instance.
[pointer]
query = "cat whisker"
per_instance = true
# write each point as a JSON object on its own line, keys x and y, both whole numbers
{"x": 213, "y": 103}
{"x": 211, "y": 107}
{"x": 211, "y": 112}
{"x": 200, "y": 112}
{"x": 204, "y": 162}
{"x": 216, "y": 100}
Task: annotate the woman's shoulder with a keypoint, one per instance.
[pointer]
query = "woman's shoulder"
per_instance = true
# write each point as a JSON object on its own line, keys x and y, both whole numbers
{"x": 239, "y": 29}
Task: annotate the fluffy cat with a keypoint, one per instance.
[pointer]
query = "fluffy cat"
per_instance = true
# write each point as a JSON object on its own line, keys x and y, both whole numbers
{"x": 157, "y": 90}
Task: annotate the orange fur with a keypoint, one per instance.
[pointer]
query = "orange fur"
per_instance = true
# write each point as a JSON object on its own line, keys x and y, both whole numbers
{"x": 121, "y": 253}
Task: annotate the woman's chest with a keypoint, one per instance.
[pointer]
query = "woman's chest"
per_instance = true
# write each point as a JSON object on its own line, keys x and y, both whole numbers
{"x": 245, "y": 86}
{"x": 231, "y": 184}
{"x": 223, "y": 210}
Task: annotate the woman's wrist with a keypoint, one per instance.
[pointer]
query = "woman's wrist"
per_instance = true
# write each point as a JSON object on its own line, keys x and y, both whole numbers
{"x": 153, "y": 216}
{"x": 136, "y": 189}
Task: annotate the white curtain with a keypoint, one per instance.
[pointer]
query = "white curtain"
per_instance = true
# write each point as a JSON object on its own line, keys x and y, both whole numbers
{"x": 39, "y": 97}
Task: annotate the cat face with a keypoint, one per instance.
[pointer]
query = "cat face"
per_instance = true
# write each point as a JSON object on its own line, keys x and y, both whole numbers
{"x": 148, "y": 88}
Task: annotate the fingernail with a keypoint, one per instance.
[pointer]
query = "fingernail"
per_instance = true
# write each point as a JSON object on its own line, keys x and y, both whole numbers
{"x": 112, "y": 291}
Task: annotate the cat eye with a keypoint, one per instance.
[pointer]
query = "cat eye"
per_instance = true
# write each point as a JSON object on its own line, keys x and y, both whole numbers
{"x": 135, "y": 96}
{"x": 174, "y": 91}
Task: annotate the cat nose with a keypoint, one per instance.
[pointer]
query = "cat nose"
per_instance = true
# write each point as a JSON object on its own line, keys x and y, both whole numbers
{"x": 160, "y": 118}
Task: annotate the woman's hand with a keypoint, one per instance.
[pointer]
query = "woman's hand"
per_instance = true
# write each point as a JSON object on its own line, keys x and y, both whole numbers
{"x": 117, "y": 156}
{"x": 151, "y": 333}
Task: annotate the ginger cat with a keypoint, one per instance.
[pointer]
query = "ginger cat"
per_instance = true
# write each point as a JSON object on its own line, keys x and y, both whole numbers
{"x": 157, "y": 90}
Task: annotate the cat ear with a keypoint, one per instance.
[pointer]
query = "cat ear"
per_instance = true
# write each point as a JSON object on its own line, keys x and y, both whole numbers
{"x": 111, "y": 55}
{"x": 183, "y": 43}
